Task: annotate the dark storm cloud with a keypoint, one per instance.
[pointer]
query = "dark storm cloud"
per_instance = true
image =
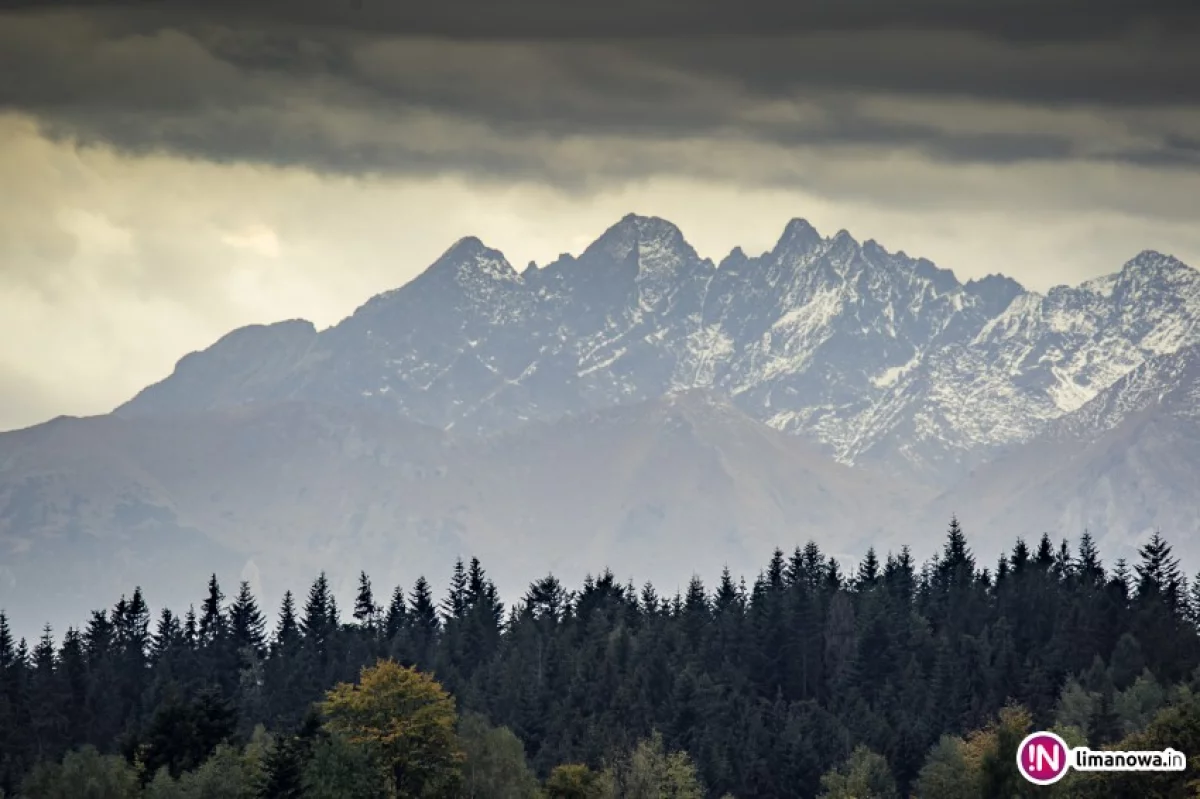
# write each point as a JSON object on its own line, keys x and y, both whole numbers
{"x": 1015, "y": 20}
{"x": 342, "y": 88}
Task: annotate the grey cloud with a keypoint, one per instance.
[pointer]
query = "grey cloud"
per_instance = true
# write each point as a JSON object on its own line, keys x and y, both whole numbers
{"x": 336, "y": 90}
{"x": 1016, "y": 20}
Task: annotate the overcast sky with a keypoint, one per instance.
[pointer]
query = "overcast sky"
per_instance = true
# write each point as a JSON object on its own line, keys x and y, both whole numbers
{"x": 170, "y": 173}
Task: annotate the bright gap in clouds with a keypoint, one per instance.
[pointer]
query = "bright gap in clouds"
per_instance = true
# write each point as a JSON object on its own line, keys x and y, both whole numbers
{"x": 112, "y": 267}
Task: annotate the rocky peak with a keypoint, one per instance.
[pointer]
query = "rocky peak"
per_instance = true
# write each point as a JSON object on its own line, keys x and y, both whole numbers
{"x": 995, "y": 292}
{"x": 799, "y": 238}
{"x": 470, "y": 259}
{"x": 634, "y": 233}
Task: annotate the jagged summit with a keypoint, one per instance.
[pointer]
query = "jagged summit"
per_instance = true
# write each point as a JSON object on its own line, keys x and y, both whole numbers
{"x": 798, "y": 236}
{"x": 468, "y": 249}
{"x": 996, "y": 291}
{"x": 878, "y": 356}
{"x": 632, "y": 233}
{"x": 469, "y": 259}
{"x": 1153, "y": 258}
{"x": 994, "y": 280}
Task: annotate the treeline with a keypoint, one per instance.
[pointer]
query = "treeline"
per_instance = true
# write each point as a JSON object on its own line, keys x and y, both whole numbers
{"x": 890, "y": 678}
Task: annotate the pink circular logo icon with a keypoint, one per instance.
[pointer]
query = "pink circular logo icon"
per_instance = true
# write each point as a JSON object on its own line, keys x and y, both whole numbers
{"x": 1042, "y": 758}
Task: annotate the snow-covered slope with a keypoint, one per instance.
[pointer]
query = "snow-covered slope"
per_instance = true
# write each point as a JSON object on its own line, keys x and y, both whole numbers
{"x": 880, "y": 357}
{"x": 1125, "y": 464}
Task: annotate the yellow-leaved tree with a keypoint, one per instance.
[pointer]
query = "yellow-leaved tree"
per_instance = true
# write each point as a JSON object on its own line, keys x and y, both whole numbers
{"x": 984, "y": 763}
{"x": 406, "y": 720}
{"x": 651, "y": 772}
{"x": 574, "y": 781}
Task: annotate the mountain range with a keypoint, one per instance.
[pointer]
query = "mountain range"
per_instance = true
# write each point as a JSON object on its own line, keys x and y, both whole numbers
{"x": 635, "y": 406}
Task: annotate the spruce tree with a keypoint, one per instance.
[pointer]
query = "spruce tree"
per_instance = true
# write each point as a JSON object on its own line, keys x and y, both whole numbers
{"x": 287, "y": 629}
{"x": 7, "y": 645}
{"x": 133, "y": 629}
{"x": 1045, "y": 553}
{"x": 1088, "y": 564}
{"x": 73, "y": 676}
{"x": 366, "y": 612}
{"x": 697, "y": 615}
{"x": 168, "y": 634}
{"x": 815, "y": 567}
{"x": 1020, "y": 558}
{"x": 1158, "y": 575}
{"x": 397, "y": 614}
{"x": 318, "y": 622}
{"x": 191, "y": 628}
{"x": 727, "y": 595}
{"x": 424, "y": 626}
{"x": 1194, "y": 602}
{"x": 649, "y": 600}
{"x": 212, "y": 615}
{"x": 776, "y": 571}
{"x": 455, "y": 604}
{"x": 49, "y": 716}
{"x": 868, "y": 571}
{"x": 247, "y": 625}
{"x": 547, "y": 599}
{"x": 284, "y": 770}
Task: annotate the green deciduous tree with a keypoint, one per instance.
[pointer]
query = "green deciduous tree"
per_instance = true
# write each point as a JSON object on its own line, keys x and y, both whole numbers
{"x": 651, "y": 772}
{"x": 494, "y": 765}
{"x": 84, "y": 774}
{"x": 865, "y": 775}
{"x": 945, "y": 774}
{"x": 342, "y": 770}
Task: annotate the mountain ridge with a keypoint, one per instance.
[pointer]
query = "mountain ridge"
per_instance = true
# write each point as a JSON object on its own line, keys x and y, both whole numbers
{"x": 877, "y": 356}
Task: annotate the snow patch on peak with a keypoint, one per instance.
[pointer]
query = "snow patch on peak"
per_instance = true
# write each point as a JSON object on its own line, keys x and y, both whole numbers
{"x": 466, "y": 247}
{"x": 842, "y": 249}
{"x": 1100, "y": 286}
{"x": 1153, "y": 260}
{"x": 1152, "y": 269}
{"x": 469, "y": 259}
{"x": 624, "y": 238}
{"x": 651, "y": 251}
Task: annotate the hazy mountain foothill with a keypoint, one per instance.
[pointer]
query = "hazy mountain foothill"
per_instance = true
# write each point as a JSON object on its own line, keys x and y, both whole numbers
{"x": 620, "y": 405}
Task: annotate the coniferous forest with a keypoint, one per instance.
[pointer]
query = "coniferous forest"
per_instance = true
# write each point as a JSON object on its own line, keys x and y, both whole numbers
{"x": 886, "y": 678}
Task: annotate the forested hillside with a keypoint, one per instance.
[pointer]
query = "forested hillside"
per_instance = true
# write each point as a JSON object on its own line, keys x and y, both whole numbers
{"x": 884, "y": 678}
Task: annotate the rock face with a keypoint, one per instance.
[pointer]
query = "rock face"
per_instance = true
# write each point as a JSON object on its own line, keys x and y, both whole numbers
{"x": 634, "y": 406}
{"x": 879, "y": 357}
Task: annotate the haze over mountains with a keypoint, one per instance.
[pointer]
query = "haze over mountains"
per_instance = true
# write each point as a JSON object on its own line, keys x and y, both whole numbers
{"x": 620, "y": 407}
